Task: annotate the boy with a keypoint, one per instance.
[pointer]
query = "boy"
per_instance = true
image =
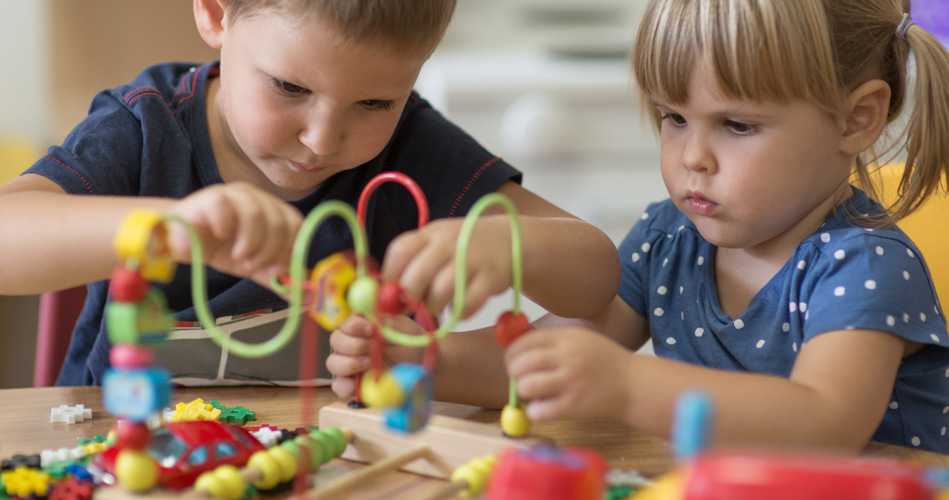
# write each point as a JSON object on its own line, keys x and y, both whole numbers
{"x": 309, "y": 101}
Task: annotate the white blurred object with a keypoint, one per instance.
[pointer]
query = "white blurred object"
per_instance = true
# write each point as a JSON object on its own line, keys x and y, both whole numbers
{"x": 536, "y": 124}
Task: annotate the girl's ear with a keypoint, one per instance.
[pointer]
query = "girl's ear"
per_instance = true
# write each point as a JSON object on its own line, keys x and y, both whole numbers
{"x": 209, "y": 17}
{"x": 867, "y": 108}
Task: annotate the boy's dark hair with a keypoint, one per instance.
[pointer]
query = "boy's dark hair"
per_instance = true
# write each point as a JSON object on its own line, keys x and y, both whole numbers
{"x": 411, "y": 25}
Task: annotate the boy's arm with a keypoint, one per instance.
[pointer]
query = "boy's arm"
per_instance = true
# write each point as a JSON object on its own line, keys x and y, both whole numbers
{"x": 50, "y": 240}
{"x": 570, "y": 267}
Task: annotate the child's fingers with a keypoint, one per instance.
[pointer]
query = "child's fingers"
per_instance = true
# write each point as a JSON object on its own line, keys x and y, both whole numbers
{"x": 526, "y": 356}
{"x": 418, "y": 275}
{"x": 552, "y": 408}
{"x": 349, "y": 345}
{"x": 440, "y": 290}
{"x": 400, "y": 252}
{"x": 341, "y": 365}
{"x": 344, "y": 387}
{"x": 282, "y": 226}
{"x": 356, "y": 326}
{"x": 480, "y": 288}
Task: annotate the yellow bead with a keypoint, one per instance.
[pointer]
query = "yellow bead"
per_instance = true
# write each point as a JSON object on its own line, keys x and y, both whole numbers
{"x": 286, "y": 461}
{"x": 143, "y": 237}
{"x": 269, "y": 469}
{"x": 476, "y": 474}
{"x": 224, "y": 483}
{"x": 135, "y": 470}
{"x": 381, "y": 391}
{"x": 514, "y": 421}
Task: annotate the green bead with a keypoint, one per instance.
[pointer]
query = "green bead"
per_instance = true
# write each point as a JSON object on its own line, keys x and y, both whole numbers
{"x": 316, "y": 450}
{"x": 122, "y": 322}
{"x": 291, "y": 447}
{"x": 362, "y": 295}
{"x": 339, "y": 440}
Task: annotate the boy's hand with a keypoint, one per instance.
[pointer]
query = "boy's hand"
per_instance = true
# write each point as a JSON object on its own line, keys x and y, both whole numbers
{"x": 423, "y": 261}
{"x": 244, "y": 231}
{"x": 570, "y": 373}
{"x": 350, "y": 356}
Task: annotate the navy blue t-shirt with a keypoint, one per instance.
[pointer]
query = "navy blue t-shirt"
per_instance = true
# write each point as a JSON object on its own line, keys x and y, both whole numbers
{"x": 150, "y": 138}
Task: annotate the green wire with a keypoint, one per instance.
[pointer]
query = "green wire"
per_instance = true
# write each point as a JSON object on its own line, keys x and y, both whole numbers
{"x": 461, "y": 270}
{"x": 297, "y": 276}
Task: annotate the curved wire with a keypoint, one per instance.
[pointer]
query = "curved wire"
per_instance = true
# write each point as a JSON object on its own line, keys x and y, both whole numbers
{"x": 461, "y": 270}
{"x": 297, "y": 273}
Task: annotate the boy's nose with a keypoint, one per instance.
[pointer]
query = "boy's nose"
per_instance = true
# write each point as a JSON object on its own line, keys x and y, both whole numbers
{"x": 323, "y": 136}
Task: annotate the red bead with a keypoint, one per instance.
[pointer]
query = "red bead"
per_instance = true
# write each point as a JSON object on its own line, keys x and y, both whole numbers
{"x": 510, "y": 326}
{"x": 390, "y": 298}
{"x": 131, "y": 435}
{"x": 128, "y": 285}
{"x": 130, "y": 356}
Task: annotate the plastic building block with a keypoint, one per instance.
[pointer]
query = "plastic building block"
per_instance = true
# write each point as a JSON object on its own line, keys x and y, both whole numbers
{"x": 267, "y": 435}
{"x": 71, "y": 489}
{"x": 236, "y": 415}
{"x": 70, "y": 414}
{"x": 24, "y": 481}
{"x": 195, "y": 410}
{"x": 17, "y": 461}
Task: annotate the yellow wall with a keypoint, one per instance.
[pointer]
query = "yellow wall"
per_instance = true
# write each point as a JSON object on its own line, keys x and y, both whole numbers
{"x": 15, "y": 157}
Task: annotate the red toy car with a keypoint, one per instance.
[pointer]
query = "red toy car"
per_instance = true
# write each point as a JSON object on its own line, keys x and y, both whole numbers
{"x": 183, "y": 450}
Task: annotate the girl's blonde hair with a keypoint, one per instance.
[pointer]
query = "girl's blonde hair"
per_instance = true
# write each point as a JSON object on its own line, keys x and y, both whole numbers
{"x": 811, "y": 50}
{"x": 415, "y": 26}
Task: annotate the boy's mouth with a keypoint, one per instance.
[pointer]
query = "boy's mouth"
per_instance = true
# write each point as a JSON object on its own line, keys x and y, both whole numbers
{"x": 302, "y": 167}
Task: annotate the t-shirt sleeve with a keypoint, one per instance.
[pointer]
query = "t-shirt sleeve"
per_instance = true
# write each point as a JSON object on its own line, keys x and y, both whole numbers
{"x": 634, "y": 254}
{"x": 450, "y": 166}
{"x": 872, "y": 282}
{"x": 101, "y": 155}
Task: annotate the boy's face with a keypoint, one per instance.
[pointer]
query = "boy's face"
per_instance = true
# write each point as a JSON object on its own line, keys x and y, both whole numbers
{"x": 294, "y": 107}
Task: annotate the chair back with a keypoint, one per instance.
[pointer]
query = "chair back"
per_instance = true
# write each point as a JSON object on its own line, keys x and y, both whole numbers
{"x": 59, "y": 311}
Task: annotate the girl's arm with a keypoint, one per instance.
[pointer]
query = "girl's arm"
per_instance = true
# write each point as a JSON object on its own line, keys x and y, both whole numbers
{"x": 835, "y": 396}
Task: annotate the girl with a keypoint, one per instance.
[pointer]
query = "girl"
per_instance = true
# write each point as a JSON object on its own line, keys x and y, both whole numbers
{"x": 767, "y": 280}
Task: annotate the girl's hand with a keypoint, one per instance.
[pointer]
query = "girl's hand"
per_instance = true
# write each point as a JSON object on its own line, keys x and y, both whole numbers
{"x": 570, "y": 373}
{"x": 423, "y": 261}
{"x": 244, "y": 231}
{"x": 350, "y": 356}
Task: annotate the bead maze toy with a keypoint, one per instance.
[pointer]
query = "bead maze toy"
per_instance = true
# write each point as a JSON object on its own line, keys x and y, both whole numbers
{"x": 399, "y": 397}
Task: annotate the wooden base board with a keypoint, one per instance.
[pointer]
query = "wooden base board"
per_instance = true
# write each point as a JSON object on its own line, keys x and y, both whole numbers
{"x": 453, "y": 441}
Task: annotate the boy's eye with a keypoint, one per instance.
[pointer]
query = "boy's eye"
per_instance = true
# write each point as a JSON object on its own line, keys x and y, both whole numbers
{"x": 740, "y": 128}
{"x": 675, "y": 118}
{"x": 287, "y": 87}
{"x": 377, "y": 104}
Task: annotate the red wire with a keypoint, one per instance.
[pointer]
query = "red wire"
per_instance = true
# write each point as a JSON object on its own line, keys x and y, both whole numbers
{"x": 420, "y": 201}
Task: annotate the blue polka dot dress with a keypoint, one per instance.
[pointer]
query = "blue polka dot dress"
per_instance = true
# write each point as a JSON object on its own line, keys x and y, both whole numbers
{"x": 841, "y": 277}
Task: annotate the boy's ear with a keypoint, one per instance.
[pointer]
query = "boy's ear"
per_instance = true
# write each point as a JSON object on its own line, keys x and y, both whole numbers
{"x": 867, "y": 108}
{"x": 209, "y": 17}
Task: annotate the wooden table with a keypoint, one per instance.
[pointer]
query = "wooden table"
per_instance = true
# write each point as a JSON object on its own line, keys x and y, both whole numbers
{"x": 25, "y": 427}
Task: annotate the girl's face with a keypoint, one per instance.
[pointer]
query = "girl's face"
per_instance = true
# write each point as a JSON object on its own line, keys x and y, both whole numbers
{"x": 752, "y": 175}
{"x": 294, "y": 107}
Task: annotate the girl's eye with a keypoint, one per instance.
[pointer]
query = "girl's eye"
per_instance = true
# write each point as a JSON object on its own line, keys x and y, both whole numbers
{"x": 287, "y": 87}
{"x": 740, "y": 128}
{"x": 675, "y": 118}
{"x": 377, "y": 104}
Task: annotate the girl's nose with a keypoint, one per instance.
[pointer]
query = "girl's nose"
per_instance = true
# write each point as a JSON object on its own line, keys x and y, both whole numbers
{"x": 698, "y": 156}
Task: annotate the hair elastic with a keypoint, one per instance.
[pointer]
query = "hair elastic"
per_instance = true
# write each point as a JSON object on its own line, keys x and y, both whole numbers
{"x": 903, "y": 27}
